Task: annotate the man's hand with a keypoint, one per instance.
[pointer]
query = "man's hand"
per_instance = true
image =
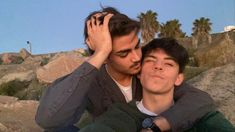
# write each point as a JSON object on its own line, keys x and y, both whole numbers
{"x": 162, "y": 123}
{"x": 99, "y": 39}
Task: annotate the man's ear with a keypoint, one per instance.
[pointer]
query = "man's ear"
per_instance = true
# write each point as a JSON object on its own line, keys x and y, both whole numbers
{"x": 179, "y": 79}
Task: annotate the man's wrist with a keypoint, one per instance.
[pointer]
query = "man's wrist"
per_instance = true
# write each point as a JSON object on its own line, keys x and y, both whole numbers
{"x": 97, "y": 59}
{"x": 162, "y": 123}
{"x": 148, "y": 123}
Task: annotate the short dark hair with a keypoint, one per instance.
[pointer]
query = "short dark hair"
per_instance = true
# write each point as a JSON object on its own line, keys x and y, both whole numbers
{"x": 119, "y": 24}
{"x": 171, "y": 47}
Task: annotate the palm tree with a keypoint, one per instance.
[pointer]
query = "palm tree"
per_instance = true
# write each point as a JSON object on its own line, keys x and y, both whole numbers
{"x": 149, "y": 25}
{"x": 201, "y": 31}
{"x": 171, "y": 29}
{"x": 202, "y": 26}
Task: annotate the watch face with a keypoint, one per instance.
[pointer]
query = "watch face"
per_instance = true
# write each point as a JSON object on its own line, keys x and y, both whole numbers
{"x": 147, "y": 123}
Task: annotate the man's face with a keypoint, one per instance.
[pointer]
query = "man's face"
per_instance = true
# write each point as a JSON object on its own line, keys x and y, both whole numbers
{"x": 159, "y": 73}
{"x": 126, "y": 55}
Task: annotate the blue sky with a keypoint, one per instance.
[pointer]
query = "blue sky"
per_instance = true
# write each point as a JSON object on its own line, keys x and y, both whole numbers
{"x": 57, "y": 25}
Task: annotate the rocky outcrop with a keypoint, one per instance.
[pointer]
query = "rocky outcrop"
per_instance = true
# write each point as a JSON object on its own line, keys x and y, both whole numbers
{"x": 60, "y": 65}
{"x": 18, "y": 115}
{"x": 21, "y": 76}
{"x": 24, "y": 53}
{"x": 8, "y": 58}
{"x": 219, "y": 82}
{"x": 219, "y": 53}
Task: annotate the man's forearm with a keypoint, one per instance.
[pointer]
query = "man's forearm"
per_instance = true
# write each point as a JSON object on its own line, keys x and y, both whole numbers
{"x": 64, "y": 101}
{"x": 191, "y": 104}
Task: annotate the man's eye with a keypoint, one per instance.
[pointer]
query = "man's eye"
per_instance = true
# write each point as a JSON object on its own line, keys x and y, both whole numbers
{"x": 169, "y": 64}
{"x": 148, "y": 60}
{"x": 123, "y": 54}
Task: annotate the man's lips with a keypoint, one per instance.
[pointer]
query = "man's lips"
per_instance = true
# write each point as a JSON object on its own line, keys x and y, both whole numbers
{"x": 157, "y": 76}
{"x": 136, "y": 65}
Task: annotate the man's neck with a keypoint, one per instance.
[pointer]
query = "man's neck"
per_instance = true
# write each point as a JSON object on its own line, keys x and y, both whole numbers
{"x": 123, "y": 79}
{"x": 157, "y": 103}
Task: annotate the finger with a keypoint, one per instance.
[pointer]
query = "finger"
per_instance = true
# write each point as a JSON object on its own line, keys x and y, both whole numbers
{"x": 97, "y": 16}
{"x": 93, "y": 21}
{"x": 106, "y": 19}
{"x": 88, "y": 25}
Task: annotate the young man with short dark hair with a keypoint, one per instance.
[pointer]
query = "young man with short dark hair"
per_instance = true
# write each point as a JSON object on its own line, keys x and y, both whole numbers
{"x": 162, "y": 69}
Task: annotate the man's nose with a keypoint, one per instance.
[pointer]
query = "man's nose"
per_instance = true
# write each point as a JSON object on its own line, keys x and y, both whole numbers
{"x": 158, "y": 65}
{"x": 136, "y": 56}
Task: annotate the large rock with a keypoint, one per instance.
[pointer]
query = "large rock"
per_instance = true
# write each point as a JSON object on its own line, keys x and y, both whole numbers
{"x": 8, "y": 58}
{"x": 220, "y": 84}
{"x": 24, "y": 53}
{"x": 219, "y": 53}
{"x": 18, "y": 116}
{"x": 21, "y": 76}
{"x": 60, "y": 65}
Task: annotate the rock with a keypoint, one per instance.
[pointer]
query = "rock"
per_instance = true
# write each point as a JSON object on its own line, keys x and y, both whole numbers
{"x": 24, "y": 53}
{"x": 11, "y": 58}
{"x": 18, "y": 116}
{"x": 21, "y": 76}
{"x": 3, "y": 128}
{"x": 60, "y": 65}
{"x": 219, "y": 82}
{"x": 8, "y": 58}
{"x": 7, "y": 99}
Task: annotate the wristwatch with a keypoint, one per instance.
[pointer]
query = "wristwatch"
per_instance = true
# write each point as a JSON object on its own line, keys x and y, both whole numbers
{"x": 149, "y": 124}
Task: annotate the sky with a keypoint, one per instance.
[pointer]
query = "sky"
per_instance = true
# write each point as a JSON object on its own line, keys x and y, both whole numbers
{"x": 57, "y": 25}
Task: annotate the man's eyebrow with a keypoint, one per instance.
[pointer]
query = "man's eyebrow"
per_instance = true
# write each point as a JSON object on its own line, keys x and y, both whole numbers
{"x": 128, "y": 50}
{"x": 154, "y": 57}
{"x": 150, "y": 56}
{"x": 170, "y": 58}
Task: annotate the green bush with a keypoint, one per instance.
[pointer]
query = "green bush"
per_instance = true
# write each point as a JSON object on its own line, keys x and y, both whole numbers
{"x": 33, "y": 92}
{"x": 12, "y": 87}
{"x": 86, "y": 54}
{"x": 192, "y": 61}
{"x": 44, "y": 61}
{"x": 17, "y": 60}
{"x": 1, "y": 61}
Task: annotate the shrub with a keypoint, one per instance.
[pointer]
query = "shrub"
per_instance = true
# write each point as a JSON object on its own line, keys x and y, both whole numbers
{"x": 12, "y": 87}
{"x": 33, "y": 92}
{"x": 1, "y": 61}
{"x": 44, "y": 61}
{"x": 17, "y": 60}
{"x": 192, "y": 61}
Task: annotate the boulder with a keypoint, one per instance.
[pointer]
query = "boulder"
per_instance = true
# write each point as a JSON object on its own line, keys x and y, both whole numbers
{"x": 21, "y": 76}
{"x": 11, "y": 58}
{"x": 219, "y": 82}
{"x": 8, "y": 58}
{"x": 60, "y": 65}
{"x": 24, "y": 53}
{"x": 18, "y": 115}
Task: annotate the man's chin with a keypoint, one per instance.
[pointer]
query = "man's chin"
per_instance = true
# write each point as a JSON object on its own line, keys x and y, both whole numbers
{"x": 134, "y": 72}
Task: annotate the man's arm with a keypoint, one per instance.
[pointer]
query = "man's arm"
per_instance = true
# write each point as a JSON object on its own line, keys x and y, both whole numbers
{"x": 213, "y": 122}
{"x": 65, "y": 99}
{"x": 191, "y": 104}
